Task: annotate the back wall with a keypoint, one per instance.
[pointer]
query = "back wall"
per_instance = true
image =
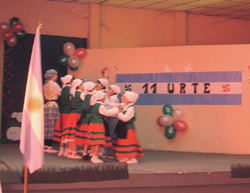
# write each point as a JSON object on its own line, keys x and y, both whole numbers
{"x": 213, "y": 128}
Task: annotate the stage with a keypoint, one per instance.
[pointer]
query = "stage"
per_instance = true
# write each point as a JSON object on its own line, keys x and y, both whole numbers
{"x": 158, "y": 171}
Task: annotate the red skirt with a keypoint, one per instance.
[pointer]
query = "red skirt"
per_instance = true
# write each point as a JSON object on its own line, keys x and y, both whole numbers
{"x": 129, "y": 147}
{"x": 96, "y": 135}
{"x": 69, "y": 132}
{"x": 61, "y": 123}
{"x": 81, "y": 135}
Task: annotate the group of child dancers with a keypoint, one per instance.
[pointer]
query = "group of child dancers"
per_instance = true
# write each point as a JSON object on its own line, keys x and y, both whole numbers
{"x": 90, "y": 116}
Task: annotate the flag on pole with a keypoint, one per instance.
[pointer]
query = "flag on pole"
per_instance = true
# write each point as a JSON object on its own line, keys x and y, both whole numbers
{"x": 32, "y": 128}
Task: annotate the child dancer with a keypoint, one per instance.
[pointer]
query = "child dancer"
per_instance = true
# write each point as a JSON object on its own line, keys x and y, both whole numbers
{"x": 111, "y": 101}
{"x": 64, "y": 112}
{"x": 81, "y": 130}
{"x": 97, "y": 133}
{"x": 74, "y": 115}
{"x": 126, "y": 143}
{"x": 102, "y": 84}
{"x": 51, "y": 92}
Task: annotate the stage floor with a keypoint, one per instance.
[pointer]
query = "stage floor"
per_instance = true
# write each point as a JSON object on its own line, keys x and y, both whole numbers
{"x": 158, "y": 171}
{"x": 152, "y": 162}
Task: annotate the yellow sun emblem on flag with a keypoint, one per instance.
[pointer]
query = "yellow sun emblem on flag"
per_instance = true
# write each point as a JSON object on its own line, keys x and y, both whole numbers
{"x": 34, "y": 104}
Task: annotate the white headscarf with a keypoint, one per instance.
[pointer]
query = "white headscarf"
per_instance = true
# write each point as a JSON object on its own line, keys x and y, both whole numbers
{"x": 131, "y": 96}
{"x": 97, "y": 96}
{"x": 115, "y": 88}
{"x": 104, "y": 82}
{"x": 75, "y": 84}
{"x": 88, "y": 86}
{"x": 66, "y": 79}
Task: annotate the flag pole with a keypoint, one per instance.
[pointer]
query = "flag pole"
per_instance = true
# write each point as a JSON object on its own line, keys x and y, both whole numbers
{"x": 25, "y": 185}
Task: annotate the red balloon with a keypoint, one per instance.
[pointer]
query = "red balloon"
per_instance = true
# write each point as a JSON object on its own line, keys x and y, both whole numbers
{"x": 180, "y": 125}
{"x": 159, "y": 121}
{"x": 17, "y": 27}
{"x": 8, "y": 34}
{"x": 80, "y": 53}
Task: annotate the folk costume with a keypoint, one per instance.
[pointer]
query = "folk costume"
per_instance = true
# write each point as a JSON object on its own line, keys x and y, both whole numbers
{"x": 62, "y": 121}
{"x": 126, "y": 144}
{"x": 98, "y": 133}
{"x": 81, "y": 131}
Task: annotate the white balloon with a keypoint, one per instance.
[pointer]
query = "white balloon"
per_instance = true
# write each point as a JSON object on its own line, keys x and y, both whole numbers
{"x": 178, "y": 114}
{"x": 68, "y": 49}
{"x": 73, "y": 61}
{"x": 166, "y": 120}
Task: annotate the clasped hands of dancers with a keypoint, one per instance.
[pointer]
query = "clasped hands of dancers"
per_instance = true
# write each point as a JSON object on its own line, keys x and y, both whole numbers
{"x": 89, "y": 115}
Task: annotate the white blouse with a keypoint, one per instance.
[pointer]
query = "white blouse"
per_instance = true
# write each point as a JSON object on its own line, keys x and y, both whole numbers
{"x": 108, "y": 112}
{"x": 130, "y": 112}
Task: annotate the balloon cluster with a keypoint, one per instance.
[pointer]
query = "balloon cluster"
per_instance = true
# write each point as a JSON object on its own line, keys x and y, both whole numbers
{"x": 73, "y": 56}
{"x": 12, "y": 31}
{"x": 171, "y": 120}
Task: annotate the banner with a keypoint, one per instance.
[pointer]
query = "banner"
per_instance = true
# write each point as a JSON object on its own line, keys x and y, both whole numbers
{"x": 184, "y": 88}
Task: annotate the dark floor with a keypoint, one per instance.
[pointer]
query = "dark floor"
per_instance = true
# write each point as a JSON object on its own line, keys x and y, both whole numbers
{"x": 152, "y": 162}
{"x": 158, "y": 171}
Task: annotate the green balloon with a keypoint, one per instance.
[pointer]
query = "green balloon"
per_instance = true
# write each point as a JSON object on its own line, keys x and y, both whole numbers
{"x": 170, "y": 132}
{"x": 20, "y": 35}
{"x": 167, "y": 110}
{"x": 63, "y": 60}
{"x": 13, "y": 20}
{"x": 73, "y": 68}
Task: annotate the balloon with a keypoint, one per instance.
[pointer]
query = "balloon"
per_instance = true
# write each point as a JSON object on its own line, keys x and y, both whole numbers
{"x": 159, "y": 122}
{"x": 20, "y": 35}
{"x": 170, "y": 132}
{"x": 166, "y": 120}
{"x": 80, "y": 53}
{"x": 73, "y": 69}
{"x": 178, "y": 114}
{"x": 167, "y": 110}
{"x": 73, "y": 61}
{"x": 68, "y": 49}
{"x": 63, "y": 60}
{"x": 13, "y": 20}
{"x": 180, "y": 125}
{"x": 12, "y": 42}
{"x": 4, "y": 26}
{"x": 8, "y": 34}
{"x": 17, "y": 27}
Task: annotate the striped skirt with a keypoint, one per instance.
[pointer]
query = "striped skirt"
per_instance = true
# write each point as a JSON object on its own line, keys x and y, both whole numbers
{"x": 50, "y": 118}
{"x": 129, "y": 147}
{"x": 81, "y": 135}
{"x": 61, "y": 123}
{"x": 97, "y": 135}
{"x": 69, "y": 132}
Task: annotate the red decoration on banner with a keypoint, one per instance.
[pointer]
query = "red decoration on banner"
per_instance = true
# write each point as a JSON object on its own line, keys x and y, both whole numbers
{"x": 226, "y": 87}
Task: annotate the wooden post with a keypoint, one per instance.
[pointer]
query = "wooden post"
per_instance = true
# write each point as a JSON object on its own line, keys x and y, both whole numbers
{"x": 25, "y": 185}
